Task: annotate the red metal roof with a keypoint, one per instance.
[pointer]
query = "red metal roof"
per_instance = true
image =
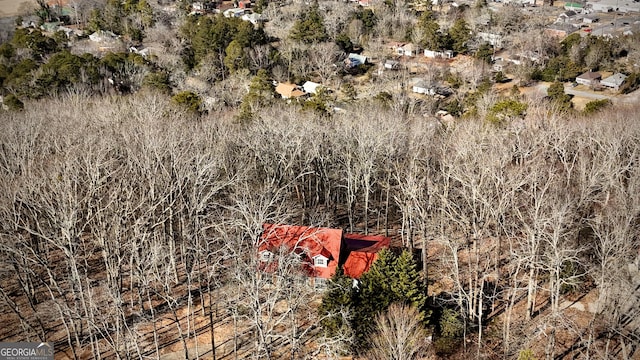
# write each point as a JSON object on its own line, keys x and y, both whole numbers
{"x": 306, "y": 241}
{"x": 354, "y": 252}
{"x": 361, "y": 251}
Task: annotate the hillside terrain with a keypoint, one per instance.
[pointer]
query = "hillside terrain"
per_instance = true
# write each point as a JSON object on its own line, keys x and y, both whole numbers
{"x": 495, "y": 146}
{"x": 126, "y": 223}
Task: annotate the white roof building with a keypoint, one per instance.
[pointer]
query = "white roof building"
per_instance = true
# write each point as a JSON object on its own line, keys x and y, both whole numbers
{"x": 614, "y": 81}
{"x": 310, "y": 87}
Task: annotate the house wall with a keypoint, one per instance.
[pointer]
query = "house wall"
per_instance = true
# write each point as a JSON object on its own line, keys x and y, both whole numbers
{"x": 610, "y": 85}
{"x": 584, "y": 81}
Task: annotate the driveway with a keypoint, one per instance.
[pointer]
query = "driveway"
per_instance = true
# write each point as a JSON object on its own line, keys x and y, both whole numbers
{"x": 585, "y": 94}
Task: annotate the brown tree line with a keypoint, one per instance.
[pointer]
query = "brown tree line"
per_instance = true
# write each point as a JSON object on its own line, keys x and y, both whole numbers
{"x": 128, "y": 225}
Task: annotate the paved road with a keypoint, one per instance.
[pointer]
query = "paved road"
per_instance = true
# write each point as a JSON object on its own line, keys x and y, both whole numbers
{"x": 585, "y": 94}
{"x": 629, "y": 99}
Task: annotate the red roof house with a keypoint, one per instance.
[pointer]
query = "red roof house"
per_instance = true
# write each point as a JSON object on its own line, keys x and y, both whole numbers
{"x": 319, "y": 248}
{"x": 360, "y": 252}
{"x": 322, "y": 250}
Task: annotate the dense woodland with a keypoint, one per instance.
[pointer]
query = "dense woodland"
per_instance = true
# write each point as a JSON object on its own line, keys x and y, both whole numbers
{"x": 129, "y": 223}
{"x": 133, "y": 189}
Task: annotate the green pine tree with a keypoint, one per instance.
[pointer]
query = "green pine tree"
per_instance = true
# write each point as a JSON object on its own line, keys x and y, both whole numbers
{"x": 236, "y": 58}
{"x": 337, "y": 307}
{"x": 406, "y": 284}
{"x": 261, "y": 93}
{"x": 309, "y": 29}
{"x": 431, "y": 36}
{"x": 374, "y": 296}
{"x": 460, "y": 34}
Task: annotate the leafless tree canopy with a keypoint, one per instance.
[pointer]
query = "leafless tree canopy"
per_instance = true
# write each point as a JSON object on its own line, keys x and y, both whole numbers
{"x": 128, "y": 225}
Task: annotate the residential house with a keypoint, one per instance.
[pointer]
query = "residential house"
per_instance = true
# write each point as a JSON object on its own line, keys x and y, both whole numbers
{"x": 234, "y": 12}
{"x": 532, "y": 56}
{"x": 409, "y": 49}
{"x": 432, "y": 54}
{"x": 614, "y": 81}
{"x": 197, "y": 8}
{"x": 590, "y": 19}
{"x": 499, "y": 65}
{"x": 353, "y": 60}
{"x": 2, "y": 104}
{"x": 520, "y": 2}
{"x": 103, "y": 36}
{"x": 567, "y": 17}
{"x": 321, "y": 251}
{"x": 254, "y": 18}
{"x": 290, "y": 91}
{"x": 589, "y": 78}
{"x": 395, "y": 45}
{"x": 51, "y": 26}
{"x": 430, "y": 88}
{"x": 493, "y": 39}
{"x": 203, "y": 7}
{"x": 391, "y": 64}
{"x": 572, "y": 6}
{"x": 422, "y": 87}
{"x": 71, "y": 30}
{"x": 358, "y": 252}
{"x": 30, "y": 21}
{"x": 318, "y": 248}
{"x": 560, "y": 30}
{"x": 311, "y": 87}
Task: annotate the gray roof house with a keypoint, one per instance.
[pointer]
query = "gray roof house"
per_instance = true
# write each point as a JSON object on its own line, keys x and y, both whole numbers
{"x": 354, "y": 60}
{"x": 614, "y": 81}
{"x": 421, "y": 86}
{"x": 589, "y": 78}
{"x": 391, "y": 64}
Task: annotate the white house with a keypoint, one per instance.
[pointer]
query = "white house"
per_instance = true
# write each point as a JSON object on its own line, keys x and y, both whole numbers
{"x": 310, "y": 87}
{"x": 568, "y": 17}
{"x": 590, "y": 19}
{"x": 429, "y": 88}
{"x": 103, "y": 36}
{"x": 589, "y": 78}
{"x": 493, "y": 39}
{"x": 229, "y": 13}
{"x": 423, "y": 87}
{"x": 614, "y": 81}
{"x": 254, "y": 18}
{"x": 446, "y": 54}
{"x": 408, "y": 50}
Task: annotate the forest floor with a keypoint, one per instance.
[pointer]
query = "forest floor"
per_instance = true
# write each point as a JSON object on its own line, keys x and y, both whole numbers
{"x": 577, "y": 312}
